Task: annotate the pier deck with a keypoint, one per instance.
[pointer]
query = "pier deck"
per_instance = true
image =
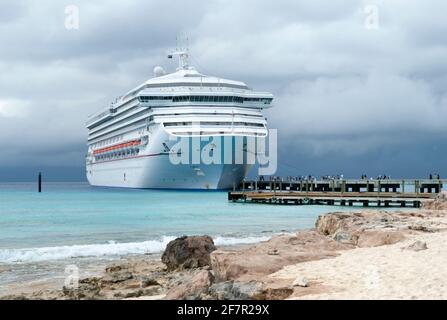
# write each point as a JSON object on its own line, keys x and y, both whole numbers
{"x": 379, "y": 193}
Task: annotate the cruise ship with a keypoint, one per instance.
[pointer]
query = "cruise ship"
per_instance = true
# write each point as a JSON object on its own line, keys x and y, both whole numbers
{"x": 163, "y": 133}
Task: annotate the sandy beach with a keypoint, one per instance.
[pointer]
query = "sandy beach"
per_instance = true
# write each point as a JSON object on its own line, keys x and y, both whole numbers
{"x": 386, "y": 272}
{"x": 368, "y": 254}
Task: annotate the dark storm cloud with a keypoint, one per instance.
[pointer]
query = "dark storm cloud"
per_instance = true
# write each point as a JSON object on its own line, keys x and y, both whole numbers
{"x": 343, "y": 91}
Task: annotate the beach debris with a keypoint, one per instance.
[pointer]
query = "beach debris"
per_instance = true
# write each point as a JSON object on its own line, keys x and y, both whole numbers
{"x": 417, "y": 246}
{"x": 300, "y": 282}
{"x": 188, "y": 252}
{"x": 273, "y": 252}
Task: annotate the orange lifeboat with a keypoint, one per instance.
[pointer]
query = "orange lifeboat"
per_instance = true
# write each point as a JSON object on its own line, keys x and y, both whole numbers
{"x": 130, "y": 143}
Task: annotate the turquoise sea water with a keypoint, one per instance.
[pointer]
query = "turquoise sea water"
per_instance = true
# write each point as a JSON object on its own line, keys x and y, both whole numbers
{"x": 71, "y": 220}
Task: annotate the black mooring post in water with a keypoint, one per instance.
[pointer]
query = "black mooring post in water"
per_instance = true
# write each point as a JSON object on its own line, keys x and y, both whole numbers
{"x": 39, "y": 182}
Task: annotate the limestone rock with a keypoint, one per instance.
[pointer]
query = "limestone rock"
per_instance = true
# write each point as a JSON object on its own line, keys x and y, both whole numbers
{"x": 131, "y": 293}
{"x": 116, "y": 277}
{"x": 5, "y": 269}
{"x": 274, "y": 292}
{"x": 440, "y": 203}
{"x": 115, "y": 268}
{"x": 422, "y": 228}
{"x": 300, "y": 282}
{"x": 188, "y": 252}
{"x": 222, "y": 290}
{"x": 15, "y": 297}
{"x": 148, "y": 281}
{"x": 89, "y": 288}
{"x": 375, "y": 238}
{"x": 251, "y": 263}
{"x": 364, "y": 229}
{"x": 330, "y": 224}
{"x": 246, "y": 290}
{"x": 343, "y": 237}
{"x": 193, "y": 288}
{"x": 417, "y": 246}
{"x": 234, "y": 290}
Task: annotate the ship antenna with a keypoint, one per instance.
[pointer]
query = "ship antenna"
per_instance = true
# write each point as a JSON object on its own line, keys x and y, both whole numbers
{"x": 182, "y": 53}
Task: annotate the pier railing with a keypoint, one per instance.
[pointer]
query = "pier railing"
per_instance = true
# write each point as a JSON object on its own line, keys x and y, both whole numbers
{"x": 338, "y": 185}
{"x": 378, "y": 192}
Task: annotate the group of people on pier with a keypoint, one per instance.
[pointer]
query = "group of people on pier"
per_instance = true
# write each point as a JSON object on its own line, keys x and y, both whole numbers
{"x": 311, "y": 178}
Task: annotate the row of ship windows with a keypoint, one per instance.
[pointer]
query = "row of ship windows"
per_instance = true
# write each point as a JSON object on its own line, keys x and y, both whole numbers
{"x": 151, "y": 118}
{"x": 123, "y": 114}
{"x": 209, "y": 123}
{"x": 107, "y": 142}
{"x": 210, "y": 133}
{"x": 118, "y": 154}
{"x": 192, "y": 99}
{"x": 206, "y": 99}
{"x": 121, "y": 120}
{"x": 116, "y": 128}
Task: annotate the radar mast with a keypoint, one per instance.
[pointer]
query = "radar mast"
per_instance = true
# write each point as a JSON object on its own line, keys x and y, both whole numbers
{"x": 182, "y": 52}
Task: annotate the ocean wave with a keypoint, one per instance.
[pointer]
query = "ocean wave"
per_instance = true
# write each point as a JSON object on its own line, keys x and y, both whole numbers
{"x": 106, "y": 249}
{"x": 77, "y": 251}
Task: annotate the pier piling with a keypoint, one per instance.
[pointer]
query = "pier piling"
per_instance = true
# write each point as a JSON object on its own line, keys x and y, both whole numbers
{"x": 39, "y": 182}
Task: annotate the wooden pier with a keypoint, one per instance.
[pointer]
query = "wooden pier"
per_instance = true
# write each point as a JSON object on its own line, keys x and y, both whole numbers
{"x": 363, "y": 192}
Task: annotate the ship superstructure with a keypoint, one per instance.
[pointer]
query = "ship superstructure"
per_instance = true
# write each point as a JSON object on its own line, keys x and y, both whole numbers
{"x": 132, "y": 143}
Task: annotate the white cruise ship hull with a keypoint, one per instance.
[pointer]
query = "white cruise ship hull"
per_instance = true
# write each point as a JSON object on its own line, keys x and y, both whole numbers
{"x": 153, "y": 169}
{"x": 156, "y": 172}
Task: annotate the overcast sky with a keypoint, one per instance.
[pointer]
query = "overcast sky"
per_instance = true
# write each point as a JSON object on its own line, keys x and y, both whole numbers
{"x": 360, "y": 86}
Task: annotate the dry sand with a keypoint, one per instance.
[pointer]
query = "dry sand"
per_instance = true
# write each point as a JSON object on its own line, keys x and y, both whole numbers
{"x": 386, "y": 272}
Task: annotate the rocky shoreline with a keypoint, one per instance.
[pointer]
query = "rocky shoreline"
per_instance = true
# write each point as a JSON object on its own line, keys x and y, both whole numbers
{"x": 193, "y": 268}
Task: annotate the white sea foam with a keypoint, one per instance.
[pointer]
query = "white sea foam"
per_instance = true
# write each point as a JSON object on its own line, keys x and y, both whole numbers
{"x": 229, "y": 241}
{"x": 76, "y": 251}
{"x": 106, "y": 249}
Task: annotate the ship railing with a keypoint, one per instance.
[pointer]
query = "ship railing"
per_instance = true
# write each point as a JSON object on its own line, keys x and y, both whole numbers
{"x": 96, "y": 116}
